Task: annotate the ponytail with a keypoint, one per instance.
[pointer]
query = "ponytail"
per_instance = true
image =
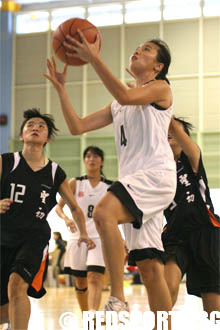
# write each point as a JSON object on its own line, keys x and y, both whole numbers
{"x": 163, "y": 56}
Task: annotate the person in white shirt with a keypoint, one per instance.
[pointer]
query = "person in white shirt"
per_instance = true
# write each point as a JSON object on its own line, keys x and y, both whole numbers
{"x": 87, "y": 265}
{"x": 147, "y": 177}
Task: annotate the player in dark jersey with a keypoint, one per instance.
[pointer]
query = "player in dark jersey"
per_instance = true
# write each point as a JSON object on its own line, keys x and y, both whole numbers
{"x": 29, "y": 183}
{"x": 191, "y": 237}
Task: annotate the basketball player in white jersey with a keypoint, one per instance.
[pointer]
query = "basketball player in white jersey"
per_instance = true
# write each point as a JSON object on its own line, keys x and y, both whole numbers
{"x": 29, "y": 184}
{"x": 147, "y": 178}
{"x": 87, "y": 266}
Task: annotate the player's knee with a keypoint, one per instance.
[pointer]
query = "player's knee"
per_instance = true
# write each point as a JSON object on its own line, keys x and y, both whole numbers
{"x": 151, "y": 273}
{"x": 16, "y": 286}
{"x": 95, "y": 278}
{"x": 103, "y": 219}
{"x": 81, "y": 282}
{"x": 98, "y": 215}
{"x": 147, "y": 276}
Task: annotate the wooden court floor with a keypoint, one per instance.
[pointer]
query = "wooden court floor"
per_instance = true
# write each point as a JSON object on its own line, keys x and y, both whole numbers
{"x": 46, "y": 312}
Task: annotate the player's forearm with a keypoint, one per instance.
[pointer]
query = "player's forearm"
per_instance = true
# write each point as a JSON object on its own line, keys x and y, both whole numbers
{"x": 73, "y": 121}
{"x": 113, "y": 84}
{"x": 60, "y": 212}
{"x": 189, "y": 147}
{"x": 78, "y": 216}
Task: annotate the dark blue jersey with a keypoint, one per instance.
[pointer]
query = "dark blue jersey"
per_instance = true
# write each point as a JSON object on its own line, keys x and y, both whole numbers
{"x": 192, "y": 206}
{"x": 33, "y": 194}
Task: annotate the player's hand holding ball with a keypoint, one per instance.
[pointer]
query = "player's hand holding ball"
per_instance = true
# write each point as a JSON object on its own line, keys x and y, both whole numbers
{"x": 83, "y": 50}
{"x": 76, "y": 41}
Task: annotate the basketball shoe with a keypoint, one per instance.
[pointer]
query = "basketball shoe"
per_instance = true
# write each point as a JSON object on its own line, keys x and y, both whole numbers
{"x": 114, "y": 304}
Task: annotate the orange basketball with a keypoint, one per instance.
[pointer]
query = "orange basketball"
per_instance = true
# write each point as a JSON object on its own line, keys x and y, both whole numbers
{"x": 70, "y": 27}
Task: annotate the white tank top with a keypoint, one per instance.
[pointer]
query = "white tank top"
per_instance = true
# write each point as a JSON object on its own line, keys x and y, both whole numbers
{"x": 87, "y": 197}
{"x": 141, "y": 137}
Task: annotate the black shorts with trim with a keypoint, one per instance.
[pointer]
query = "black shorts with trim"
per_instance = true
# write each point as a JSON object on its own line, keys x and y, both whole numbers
{"x": 142, "y": 254}
{"x": 83, "y": 273}
{"x": 122, "y": 194}
{"x": 30, "y": 261}
{"x": 179, "y": 255}
{"x": 176, "y": 250}
{"x": 203, "y": 275}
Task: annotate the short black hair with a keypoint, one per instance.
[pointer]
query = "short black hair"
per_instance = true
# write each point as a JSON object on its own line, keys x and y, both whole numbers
{"x": 163, "y": 56}
{"x": 97, "y": 151}
{"x": 186, "y": 125}
{"x": 35, "y": 113}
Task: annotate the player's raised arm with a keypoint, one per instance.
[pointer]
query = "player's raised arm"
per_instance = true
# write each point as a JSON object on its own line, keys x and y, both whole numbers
{"x": 157, "y": 92}
{"x": 75, "y": 124}
{"x": 189, "y": 147}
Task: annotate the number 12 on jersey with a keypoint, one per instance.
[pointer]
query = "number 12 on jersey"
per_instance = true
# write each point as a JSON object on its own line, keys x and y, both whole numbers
{"x": 16, "y": 194}
{"x": 123, "y": 137}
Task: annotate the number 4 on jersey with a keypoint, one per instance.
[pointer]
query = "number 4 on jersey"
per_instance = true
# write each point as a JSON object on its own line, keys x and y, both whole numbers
{"x": 123, "y": 137}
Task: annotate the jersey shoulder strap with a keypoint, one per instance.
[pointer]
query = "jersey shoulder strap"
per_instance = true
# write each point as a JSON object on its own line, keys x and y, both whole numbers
{"x": 54, "y": 169}
{"x": 10, "y": 161}
{"x": 108, "y": 182}
{"x": 81, "y": 178}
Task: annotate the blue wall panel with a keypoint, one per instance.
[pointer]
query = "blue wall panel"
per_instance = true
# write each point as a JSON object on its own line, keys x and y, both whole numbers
{"x": 6, "y": 42}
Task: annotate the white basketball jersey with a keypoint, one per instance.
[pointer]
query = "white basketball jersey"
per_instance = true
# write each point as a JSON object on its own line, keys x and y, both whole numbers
{"x": 87, "y": 197}
{"x": 141, "y": 138}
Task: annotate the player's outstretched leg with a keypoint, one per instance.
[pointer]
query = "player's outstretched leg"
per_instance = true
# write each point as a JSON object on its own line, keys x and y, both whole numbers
{"x": 152, "y": 275}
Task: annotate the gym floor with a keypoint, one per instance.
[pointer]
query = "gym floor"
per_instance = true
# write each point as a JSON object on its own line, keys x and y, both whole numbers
{"x": 46, "y": 312}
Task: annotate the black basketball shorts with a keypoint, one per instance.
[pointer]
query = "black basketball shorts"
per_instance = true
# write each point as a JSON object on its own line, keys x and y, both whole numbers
{"x": 30, "y": 261}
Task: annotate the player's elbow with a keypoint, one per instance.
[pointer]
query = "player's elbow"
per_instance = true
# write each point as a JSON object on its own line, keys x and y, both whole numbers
{"x": 123, "y": 98}
{"x": 76, "y": 130}
{"x": 123, "y": 102}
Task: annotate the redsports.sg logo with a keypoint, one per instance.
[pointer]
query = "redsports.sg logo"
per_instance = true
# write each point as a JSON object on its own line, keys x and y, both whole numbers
{"x": 137, "y": 320}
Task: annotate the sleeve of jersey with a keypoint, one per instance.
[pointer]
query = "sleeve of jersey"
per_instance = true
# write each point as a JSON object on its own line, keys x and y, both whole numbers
{"x": 59, "y": 177}
{"x": 113, "y": 108}
{"x": 7, "y": 162}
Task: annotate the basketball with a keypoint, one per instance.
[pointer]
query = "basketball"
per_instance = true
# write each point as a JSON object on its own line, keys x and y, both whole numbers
{"x": 70, "y": 27}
